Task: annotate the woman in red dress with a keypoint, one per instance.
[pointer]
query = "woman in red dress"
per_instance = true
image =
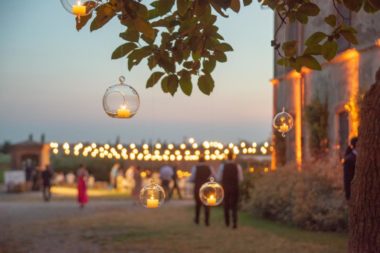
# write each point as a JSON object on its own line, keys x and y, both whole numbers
{"x": 82, "y": 175}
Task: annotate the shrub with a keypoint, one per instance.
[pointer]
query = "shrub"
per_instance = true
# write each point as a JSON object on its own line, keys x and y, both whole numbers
{"x": 312, "y": 199}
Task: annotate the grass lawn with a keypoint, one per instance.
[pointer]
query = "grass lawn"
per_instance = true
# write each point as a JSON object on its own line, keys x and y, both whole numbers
{"x": 118, "y": 225}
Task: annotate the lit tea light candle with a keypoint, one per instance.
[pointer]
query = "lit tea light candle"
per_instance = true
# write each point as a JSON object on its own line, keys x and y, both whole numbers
{"x": 284, "y": 128}
{"x": 79, "y": 9}
{"x": 211, "y": 201}
{"x": 152, "y": 203}
{"x": 123, "y": 112}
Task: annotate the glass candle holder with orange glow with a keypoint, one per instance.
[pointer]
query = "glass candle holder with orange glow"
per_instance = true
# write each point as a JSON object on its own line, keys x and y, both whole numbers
{"x": 152, "y": 195}
{"x": 211, "y": 193}
{"x": 121, "y": 100}
{"x": 80, "y": 8}
{"x": 283, "y": 122}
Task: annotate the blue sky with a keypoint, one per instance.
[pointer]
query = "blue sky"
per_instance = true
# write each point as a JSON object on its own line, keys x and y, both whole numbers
{"x": 52, "y": 80}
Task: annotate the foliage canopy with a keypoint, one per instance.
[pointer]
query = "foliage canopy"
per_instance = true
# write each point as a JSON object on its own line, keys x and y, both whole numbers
{"x": 181, "y": 41}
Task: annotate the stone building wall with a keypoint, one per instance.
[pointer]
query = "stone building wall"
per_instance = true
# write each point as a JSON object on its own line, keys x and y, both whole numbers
{"x": 340, "y": 84}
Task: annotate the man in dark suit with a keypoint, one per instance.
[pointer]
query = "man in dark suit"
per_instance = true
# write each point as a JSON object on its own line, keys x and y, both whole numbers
{"x": 200, "y": 174}
{"x": 230, "y": 174}
{"x": 349, "y": 167}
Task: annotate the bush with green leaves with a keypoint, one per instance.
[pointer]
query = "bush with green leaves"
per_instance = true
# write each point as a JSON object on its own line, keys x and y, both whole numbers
{"x": 312, "y": 199}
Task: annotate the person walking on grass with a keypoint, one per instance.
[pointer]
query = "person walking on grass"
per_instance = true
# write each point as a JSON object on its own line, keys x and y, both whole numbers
{"x": 82, "y": 175}
{"x": 166, "y": 175}
{"x": 230, "y": 174}
{"x": 47, "y": 175}
{"x": 175, "y": 184}
{"x": 200, "y": 174}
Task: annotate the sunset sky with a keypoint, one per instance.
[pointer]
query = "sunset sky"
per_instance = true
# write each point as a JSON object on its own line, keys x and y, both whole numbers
{"x": 52, "y": 80}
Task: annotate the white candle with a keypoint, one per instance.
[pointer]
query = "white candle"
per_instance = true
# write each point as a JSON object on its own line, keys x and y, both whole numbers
{"x": 152, "y": 203}
{"x": 79, "y": 9}
{"x": 211, "y": 200}
{"x": 123, "y": 112}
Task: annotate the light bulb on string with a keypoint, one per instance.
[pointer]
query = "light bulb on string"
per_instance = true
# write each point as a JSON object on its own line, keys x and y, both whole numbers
{"x": 80, "y": 8}
{"x": 121, "y": 100}
{"x": 152, "y": 195}
{"x": 211, "y": 193}
{"x": 283, "y": 122}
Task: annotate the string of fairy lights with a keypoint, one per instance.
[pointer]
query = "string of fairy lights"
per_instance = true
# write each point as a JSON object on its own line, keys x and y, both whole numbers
{"x": 186, "y": 151}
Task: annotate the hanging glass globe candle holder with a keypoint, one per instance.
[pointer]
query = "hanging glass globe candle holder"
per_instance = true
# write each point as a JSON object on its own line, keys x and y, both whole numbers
{"x": 121, "y": 100}
{"x": 80, "y": 8}
{"x": 152, "y": 195}
{"x": 211, "y": 193}
{"x": 283, "y": 122}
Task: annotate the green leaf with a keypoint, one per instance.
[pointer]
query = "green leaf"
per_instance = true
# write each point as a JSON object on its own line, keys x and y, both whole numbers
{"x": 290, "y": 48}
{"x": 309, "y": 9}
{"x": 209, "y": 66}
{"x": 172, "y": 84}
{"x": 283, "y": 62}
{"x": 206, "y": 84}
{"x": 154, "y": 78}
{"x": 309, "y": 61}
{"x": 183, "y": 6}
{"x": 247, "y": 2}
{"x": 152, "y": 62}
{"x": 349, "y": 36}
{"x": 370, "y": 6}
{"x": 185, "y": 83}
{"x": 302, "y": 18}
{"x": 224, "y": 47}
{"x": 315, "y": 38}
{"x": 329, "y": 50}
{"x": 144, "y": 27}
{"x": 375, "y": 4}
{"x": 314, "y": 49}
{"x": 220, "y": 56}
{"x": 104, "y": 13}
{"x": 162, "y": 6}
{"x": 130, "y": 35}
{"x": 137, "y": 55}
{"x": 123, "y": 50}
{"x": 353, "y": 5}
{"x": 331, "y": 20}
{"x": 164, "y": 84}
{"x": 235, "y": 5}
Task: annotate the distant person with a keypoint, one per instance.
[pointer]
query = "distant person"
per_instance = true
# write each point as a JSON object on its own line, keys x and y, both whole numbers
{"x": 82, "y": 176}
{"x": 230, "y": 174}
{"x": 113, "y": 175}
{"x": 137, "y": 183}
{"x": 349, "y": 167}
{"x": 200, "y": 174}
{"x": 29, "y": 172}
{"x": 175, "y": 184}
{"x": 46, "y": 175}
{"x": 166, "y": 175}
{"x": 70, "y": 178}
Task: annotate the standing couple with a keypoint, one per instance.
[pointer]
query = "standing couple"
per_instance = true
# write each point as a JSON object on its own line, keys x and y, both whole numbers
{"x": 230, "y": 174}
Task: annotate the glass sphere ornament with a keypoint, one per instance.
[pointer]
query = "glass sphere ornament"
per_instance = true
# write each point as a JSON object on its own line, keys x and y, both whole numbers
{"x": 211, "y": 193}
{"x": 121, "y": 100}
{"x": 283, "y": 122}
{"x": 80, "y": 8}
{"x": 152, "y": 195}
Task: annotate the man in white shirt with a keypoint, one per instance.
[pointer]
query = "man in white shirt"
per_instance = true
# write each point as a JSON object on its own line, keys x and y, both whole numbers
{"x": 166, "y": 175}
{"x": 230, "y": 174}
